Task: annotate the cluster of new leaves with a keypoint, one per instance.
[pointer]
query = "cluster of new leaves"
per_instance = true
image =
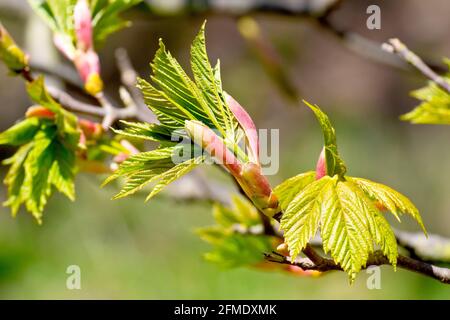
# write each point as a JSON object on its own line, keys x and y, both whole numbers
{"x": 435, "y": 104}
{"x": 237, "y": 238}
{"x": 45, "y": 157}
{"x": 347, "y": 210}
{"x": 176, "y": 100}
{"x": 58, "y": 14}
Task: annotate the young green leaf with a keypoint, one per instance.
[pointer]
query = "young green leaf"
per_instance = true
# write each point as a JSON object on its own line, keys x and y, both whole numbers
{"x": 346, "y": 210}
{"x": 154, "y": 166}
{"x": 21, "y": 133}
{"x": 145, "y": 131}
{"x": 58, "y": 14}
{"x": 46, "y": 157}
{"x": 434, "y": 107}
{"x": 392, "y": 200}
{"x": 106, "y": 17}
{"x": 232, "y": 247}
{"x": 287, "y": 190}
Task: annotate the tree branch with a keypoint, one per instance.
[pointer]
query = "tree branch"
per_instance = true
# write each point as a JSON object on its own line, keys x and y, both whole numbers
{"x": 376, "y": 259}
{"x": 400, "y": 49}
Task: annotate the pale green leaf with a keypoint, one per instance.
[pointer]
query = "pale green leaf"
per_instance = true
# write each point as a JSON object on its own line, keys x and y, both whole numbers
{"x": 302, "y": 216}
{"x": 288, "y": 189}
{"x": 21, "y": 133}
{"x": 107, "y": 18}
{"x": 231, "y": 248}
{"x": 345, "y": 230}
{"x": 350, "y": 224}
{"x": 15, "y": 178}
{"x": 173, "y": 174}
{"x": 179, "y": 89}
{"x": 208, "y": 81}
{"x": 434, "y": 108}
{"x": 145, "y": 131}
{"x": 395, "y": 202}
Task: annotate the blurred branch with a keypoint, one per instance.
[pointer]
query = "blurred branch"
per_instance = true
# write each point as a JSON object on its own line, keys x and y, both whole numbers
{"x": 433, "y": 248}
{"x": 109, "y": 112}
{"x": 399, "y": 48}
{"x": 318, "y": 12}
{"x": 267, "y": 56}
{"x": 128, "y": 76}
{"x": 62, "y": 72}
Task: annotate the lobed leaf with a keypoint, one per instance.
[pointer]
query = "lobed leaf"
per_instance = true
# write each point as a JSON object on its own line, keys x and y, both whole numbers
{"x": 231, "y": 248}
{"x": 301, "y": 218}
{"x": 350, "y": 224}
{"x": 395, "y": 202}
{"x": 288, "y": 189}
{"x": 434, "y": 108}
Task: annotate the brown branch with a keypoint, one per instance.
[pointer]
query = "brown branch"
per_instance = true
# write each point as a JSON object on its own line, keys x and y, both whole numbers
{"x": 376, "y": 259}
{"x": 400, "y": 49}
{"x": 109, "y": 112}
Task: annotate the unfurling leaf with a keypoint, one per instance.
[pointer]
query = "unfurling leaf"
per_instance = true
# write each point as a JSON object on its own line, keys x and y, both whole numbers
{"x": 334, "y": 164}
{"x": 46, "y": 155}
{"x": 156, "y": 166}
{"x": 58, "y": 14}
{"x": 343, "y": 208}
{"x": 193, "y": 111}
{"x": 237, "y": 237}
{"x": 434, "y": 107}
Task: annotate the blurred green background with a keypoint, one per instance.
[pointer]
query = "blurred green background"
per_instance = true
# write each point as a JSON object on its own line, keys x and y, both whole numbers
{"x": 130, "y": 249}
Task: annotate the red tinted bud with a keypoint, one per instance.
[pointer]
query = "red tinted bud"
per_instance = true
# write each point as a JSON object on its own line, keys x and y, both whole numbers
{"x": 88, "y": 66}
{"x": 39, "y": 112}
{"x": 121, "y": 157}
{"x": 321, "y": 167}
{"x": 83, "y": 25}
{"x": 90, "y": 129}
{"x": 247, "y": 124}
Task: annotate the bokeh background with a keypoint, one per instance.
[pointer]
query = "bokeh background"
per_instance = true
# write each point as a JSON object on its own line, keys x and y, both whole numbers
{"x": 129, "y": 249}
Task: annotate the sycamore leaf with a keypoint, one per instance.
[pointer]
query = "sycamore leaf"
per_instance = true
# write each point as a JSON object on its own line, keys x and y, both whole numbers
{"x": 208, "y": 81}
{"x": 231, "y": 248}
{"x": 392, "y": 200}
{"x": 179, "y": 89}
{"x": 58, "y": 14}
{"x": 346, "y": 210}
{"x": 350, "y": 224}
{"x": 288, "y": 189}
{"x": 301, "y": 218}
{"x": 44, "y": 162}
{"x": 175, "y": 98}
{"x": 21, "y": 133}
{"x": 66, "y": 122}
{"x": 168, "y": 114}
{"x": 15, "y": 177}
{"x": 145, "y": 131}
{"x": 155, "y": 166}
{"x": 434, "y": 108}
{"x": 106, "y": 17}
{"x": 46, "y": 157}
{"x": 334, "y": 163}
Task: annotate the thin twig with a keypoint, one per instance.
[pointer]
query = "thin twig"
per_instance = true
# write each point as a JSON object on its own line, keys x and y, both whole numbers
{"x": 128, "y": 76}
{"x": 399, "y": 48}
